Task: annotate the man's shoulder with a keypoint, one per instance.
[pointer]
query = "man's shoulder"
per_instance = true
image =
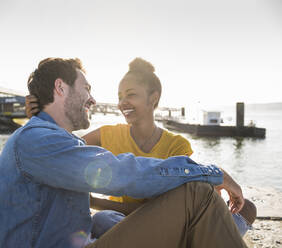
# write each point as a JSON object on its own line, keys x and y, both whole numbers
{"x": 37, "y": 130}
{"x": 38, "y": 122}
{"x": 34, "y": 126}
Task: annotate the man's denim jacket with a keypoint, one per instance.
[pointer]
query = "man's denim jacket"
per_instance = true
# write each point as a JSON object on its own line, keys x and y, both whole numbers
{"x": 46, "y": 175}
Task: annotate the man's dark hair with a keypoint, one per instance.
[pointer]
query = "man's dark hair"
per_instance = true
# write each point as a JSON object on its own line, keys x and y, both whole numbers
{"x": 41, "y": 82}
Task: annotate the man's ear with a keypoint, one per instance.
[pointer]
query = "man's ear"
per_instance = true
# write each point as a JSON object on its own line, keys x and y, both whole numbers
{"x": 59, "y": 87}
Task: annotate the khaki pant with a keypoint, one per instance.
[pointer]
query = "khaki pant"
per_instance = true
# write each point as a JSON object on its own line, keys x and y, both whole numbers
{"x": 192, "y": 215}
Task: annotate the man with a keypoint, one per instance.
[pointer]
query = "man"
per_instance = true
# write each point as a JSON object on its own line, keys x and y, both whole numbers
{"x": 46, "y": 174}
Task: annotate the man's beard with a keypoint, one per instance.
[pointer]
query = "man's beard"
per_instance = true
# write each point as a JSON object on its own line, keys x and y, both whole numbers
{"x": 75, "y": 111}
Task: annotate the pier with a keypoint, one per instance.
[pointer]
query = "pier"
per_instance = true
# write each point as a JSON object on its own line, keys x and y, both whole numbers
{"x": 215, "y": 131}
{"x": 161, "y": 113}
{"x": 12, "y": 107}
{"x": 213, "y": 128}
{"x": 105, "y": 108}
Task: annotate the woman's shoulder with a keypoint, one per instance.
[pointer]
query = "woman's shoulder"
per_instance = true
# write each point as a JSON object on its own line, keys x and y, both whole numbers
{"x": 178, "y": 143}
{"x": 174, "y": 136}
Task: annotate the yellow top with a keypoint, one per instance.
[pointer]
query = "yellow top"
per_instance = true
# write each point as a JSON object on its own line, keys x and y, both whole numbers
{"x": 117, "y": 139}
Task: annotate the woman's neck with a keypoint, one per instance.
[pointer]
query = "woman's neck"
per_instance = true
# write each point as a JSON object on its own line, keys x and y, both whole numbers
{"x": 145, "y": 135}
{"x": 142, "y": 130}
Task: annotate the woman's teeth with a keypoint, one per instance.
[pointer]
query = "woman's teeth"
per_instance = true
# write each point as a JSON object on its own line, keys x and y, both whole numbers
{"x": 127, "y": 111}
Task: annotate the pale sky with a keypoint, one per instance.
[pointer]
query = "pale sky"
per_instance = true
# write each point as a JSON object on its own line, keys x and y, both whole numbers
{"x": 209, "y": 51}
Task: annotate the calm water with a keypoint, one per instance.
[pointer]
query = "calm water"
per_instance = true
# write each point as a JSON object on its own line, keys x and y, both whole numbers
{"x": 252, "y": 162}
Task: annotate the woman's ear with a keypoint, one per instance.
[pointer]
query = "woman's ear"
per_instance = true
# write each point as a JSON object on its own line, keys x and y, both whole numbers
{"x": 155, "y": 97}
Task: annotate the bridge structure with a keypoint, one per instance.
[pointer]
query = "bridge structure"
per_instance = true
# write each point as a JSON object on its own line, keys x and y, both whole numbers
{"x": 168, "y": 113}
{"x": 12, "y": 103}
{"x": 11, "y": 92}
{"x": 105, "y": 108}
{"x": 161, "y": 113}
{"x": 12, "y": 106}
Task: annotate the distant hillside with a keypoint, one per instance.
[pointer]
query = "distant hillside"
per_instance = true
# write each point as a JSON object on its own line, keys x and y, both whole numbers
{"x": 265, "y": 106}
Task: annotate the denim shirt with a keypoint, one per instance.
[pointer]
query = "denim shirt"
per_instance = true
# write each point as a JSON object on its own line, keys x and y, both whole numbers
{"x": 46, "y": 174}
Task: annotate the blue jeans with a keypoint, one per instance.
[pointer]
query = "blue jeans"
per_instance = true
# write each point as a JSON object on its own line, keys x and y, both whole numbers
{"x": 241, "y": 223}
{"x": 106, "y": 219}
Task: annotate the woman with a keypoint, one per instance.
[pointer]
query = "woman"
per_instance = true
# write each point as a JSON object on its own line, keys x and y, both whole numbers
{"x": 139, "y": 94}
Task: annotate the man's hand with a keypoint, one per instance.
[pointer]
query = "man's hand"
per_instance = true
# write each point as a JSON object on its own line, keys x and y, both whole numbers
{"x": 236, "y": 201}
{"x": 31, "y": 106}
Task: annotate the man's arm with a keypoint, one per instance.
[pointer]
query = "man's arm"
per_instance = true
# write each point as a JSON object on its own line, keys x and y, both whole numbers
{"x": 56, "y": 158}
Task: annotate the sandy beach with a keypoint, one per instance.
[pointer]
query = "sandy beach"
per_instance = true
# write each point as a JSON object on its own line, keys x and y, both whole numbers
{"x": 265, "y": 234}
{"x": 267, "y": 229}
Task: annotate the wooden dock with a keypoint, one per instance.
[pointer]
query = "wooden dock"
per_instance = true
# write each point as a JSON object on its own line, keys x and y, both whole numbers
{"x": 215, "y": 131}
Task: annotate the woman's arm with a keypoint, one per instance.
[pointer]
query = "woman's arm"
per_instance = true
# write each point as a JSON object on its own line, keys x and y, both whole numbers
{"x": 102, "y": 204}
{"x": 234, "y": 191}
{"x": 93, "y": 138}
{"x": 31, "y": 105}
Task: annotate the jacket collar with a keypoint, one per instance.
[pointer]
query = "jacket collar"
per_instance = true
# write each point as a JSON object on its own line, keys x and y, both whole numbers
{"x": 44, "y": 116}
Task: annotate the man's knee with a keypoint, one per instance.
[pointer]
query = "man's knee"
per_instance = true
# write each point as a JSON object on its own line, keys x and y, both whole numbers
{"x": 200, "y": 192}
{"x": 194, "y": 195}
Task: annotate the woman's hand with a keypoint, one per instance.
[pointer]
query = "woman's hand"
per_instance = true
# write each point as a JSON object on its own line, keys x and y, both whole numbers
{"x": 31, "y": 105}
{"x": 236, "y": 199}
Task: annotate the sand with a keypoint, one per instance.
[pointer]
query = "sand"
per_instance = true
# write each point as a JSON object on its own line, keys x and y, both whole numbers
{"x": 265, "y": 234}
{"x": 267, "y": 229}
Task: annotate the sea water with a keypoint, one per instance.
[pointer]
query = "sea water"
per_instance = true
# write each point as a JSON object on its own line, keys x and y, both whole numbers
{"x": 251, "y": 161}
